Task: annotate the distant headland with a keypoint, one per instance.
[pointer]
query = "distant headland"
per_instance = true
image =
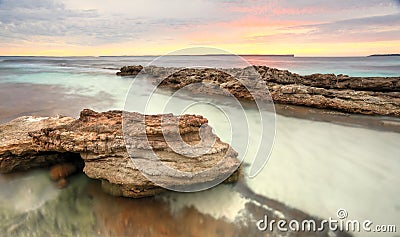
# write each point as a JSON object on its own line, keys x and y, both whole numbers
{"x": 384, "y": 55}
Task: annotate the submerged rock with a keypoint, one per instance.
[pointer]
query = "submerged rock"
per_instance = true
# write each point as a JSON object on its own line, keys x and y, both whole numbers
{"x": 62, "y": 171}
{"x": 62, "y": 183}
{"x": 134, "y": 172}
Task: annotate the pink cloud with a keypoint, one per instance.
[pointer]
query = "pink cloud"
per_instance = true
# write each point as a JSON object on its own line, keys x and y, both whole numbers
{"x": 259, "y": 10}
{"x": 297, "y": 11}
{"x": 260, "y": 22}
{"x": 274, "y": 8}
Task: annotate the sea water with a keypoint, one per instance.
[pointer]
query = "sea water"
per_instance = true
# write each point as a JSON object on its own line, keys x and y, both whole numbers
{"x": 316, "y": 167}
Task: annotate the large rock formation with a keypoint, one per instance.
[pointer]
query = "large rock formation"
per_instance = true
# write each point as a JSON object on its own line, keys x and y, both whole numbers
{"x": 363, "y": 95}
{"x": 99, "y": 139}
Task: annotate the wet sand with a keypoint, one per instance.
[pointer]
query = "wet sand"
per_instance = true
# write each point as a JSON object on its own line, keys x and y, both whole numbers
{"x": 21, "y": 99}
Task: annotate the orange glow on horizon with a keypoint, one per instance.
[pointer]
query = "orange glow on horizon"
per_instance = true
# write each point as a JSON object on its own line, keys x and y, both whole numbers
{"x": 300, "y": 49}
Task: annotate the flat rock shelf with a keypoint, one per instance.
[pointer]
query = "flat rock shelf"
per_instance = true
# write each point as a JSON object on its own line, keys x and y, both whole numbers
{"x": 355, "y": 95}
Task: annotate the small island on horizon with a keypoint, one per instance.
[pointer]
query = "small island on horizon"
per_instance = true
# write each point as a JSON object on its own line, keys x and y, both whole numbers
{"x": 384, "y": 55}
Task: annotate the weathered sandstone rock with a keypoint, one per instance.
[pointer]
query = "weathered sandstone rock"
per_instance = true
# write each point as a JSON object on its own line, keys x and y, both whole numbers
{"x": 362, "y": 95}
{"x": 99, "y": 140}
{"x": 130, "y": 70}
{"x": 330, "y": 81}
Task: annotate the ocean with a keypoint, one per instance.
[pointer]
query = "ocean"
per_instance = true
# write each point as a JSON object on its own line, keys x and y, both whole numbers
{"x": 316, "y": 167}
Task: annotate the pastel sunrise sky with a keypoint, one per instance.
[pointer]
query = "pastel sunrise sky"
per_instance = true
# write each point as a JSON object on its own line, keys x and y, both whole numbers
{"x": 156, "y": 27}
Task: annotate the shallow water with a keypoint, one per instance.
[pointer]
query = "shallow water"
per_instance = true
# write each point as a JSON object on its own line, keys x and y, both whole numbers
{"x": 314, "y": 166}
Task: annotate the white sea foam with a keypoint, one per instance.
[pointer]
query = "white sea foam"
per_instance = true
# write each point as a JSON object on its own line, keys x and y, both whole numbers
{"x": 35, "y": 119}
{"x": 28, "y": 192}
{"x": 222, "y": 202}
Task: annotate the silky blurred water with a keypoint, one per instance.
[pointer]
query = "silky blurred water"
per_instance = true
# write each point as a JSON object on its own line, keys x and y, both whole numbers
{"x": 316, "y": 167}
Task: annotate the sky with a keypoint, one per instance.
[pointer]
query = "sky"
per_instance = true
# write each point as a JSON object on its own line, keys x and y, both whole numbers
{"x": 157, "y": 27}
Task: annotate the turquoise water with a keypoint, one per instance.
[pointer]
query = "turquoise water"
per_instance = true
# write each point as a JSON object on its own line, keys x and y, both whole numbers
{"x": 353, "y": 66}
{"x": 314, "y": 166}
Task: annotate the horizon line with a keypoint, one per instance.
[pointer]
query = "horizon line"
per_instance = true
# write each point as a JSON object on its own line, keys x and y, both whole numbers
{"x": 154, "y": 55}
